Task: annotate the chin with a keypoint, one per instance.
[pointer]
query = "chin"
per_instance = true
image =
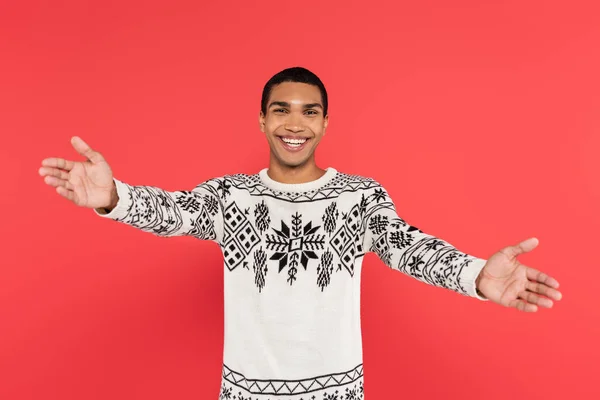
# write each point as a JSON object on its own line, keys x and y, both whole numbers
{"x": 291, "y": 163}
{"x": 289, "y": 160}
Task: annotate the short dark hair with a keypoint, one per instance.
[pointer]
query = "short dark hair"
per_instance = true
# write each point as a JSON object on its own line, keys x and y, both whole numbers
{"x": 293, "y": 74}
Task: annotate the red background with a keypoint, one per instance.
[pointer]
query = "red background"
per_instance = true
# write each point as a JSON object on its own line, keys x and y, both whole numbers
{"x": 480, "y": 117}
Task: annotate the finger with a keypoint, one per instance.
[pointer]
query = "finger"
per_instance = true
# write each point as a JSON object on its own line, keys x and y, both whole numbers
{"x": 67, "y": 194}
{"x": 56, "y": 182}
{"x": 85, "y": 150}
{"x": 533, "y": 298}
{"x": 59, "y": 173}
{"x": 525, "y": 246}
{"x": 522, "y": 305}
{"x": 58, "y": 163}
{"x": 541, "y": 288}
{"x": 535, "y": 275}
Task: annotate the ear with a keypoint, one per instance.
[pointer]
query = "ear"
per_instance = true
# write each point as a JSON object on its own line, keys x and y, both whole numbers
{"x": 325, "y": 124}
{"x": 261, "y": 121}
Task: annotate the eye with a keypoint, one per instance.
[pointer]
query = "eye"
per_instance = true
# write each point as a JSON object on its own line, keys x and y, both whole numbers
{"x": 312, "y": 112}
{"x": 279, "y": 110}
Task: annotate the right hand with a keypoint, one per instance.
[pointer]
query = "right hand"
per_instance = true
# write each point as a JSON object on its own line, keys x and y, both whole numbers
{"x": 86, "y": 183}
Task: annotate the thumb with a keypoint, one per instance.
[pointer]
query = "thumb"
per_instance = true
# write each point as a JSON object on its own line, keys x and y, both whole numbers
{"x": 85, "y": 150}
{"x": 524, "y": 247}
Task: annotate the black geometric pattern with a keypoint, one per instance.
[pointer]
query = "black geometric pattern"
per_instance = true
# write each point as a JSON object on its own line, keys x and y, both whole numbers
{"x": 212, "y": 211}
{"x": 347, "y": 241}
{"x": 325, "y": 269}
{"x": 212, "y": 204}
{"x": 178, "y": 213}
{"x": 223, "y": 188}
{"x": 406, "y": 248}
{"x": 261, "y": 215}
{"x": 342, "y": 385}
{"x": 202, "y": 226}
{"x": 245, "y": 217}
{"x": 295, "y": 246}
{"x": 240, "y": 236}
{"x": 378, "y": 223}
{"x": 338, "y": 184}
{"x": 156, "y": 211}
{"x": 188, "y": 202}
{"x": 260, "y": 268}
{"x": 330, "y": 218}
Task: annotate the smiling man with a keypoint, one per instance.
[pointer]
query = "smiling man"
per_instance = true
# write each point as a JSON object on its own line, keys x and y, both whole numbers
{"x": 294, "y": 118}
{"x": 293, "y": 238}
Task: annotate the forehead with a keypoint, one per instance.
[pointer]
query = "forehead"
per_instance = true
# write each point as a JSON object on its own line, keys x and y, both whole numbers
{"x": 295, "y": 92}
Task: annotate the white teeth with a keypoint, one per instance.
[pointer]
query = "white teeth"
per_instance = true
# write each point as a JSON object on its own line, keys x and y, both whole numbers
{"x": 294, "y": 142}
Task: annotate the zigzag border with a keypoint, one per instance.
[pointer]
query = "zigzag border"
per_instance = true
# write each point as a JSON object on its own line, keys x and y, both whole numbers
{"x": 291, "y": 387}
{"x": 340, "y": 183}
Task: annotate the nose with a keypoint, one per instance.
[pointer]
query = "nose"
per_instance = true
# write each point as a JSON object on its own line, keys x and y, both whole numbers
{"x": 294, "y": 124}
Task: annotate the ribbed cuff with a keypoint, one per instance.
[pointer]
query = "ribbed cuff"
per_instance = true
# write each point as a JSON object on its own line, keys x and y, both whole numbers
{"x": 469, "y": 274}
{"x": 123, "y": 204}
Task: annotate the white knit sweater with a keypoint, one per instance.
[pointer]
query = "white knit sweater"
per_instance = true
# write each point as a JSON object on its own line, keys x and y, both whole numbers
{"x": 292, "y": 259}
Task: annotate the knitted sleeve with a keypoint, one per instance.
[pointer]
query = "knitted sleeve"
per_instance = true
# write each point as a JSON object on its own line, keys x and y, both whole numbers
{"x": 197, "y": 212}
{"x": 406, "y": 248}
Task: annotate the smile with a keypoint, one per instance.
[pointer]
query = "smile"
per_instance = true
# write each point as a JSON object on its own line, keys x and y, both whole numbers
{"x": 293, "y": 144}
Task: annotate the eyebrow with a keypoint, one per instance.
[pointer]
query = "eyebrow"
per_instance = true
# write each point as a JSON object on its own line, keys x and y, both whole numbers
{"x": 286, "y": 104}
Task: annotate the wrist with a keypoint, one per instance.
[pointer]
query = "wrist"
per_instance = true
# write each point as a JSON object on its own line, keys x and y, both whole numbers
{"x": 113, "y": 201}
{"x": 114, "y": 196}
{"x": 478, "y": 285}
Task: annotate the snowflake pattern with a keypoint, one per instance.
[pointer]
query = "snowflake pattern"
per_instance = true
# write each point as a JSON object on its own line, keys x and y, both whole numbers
{"x": 408, "y": 249}
{"x": 251, "y": 224}
{"x": 214, "y": 211}
{"x": 188, "y": 202}
{"x": 212, "y": 204}
{"x": 294, "y": 247}
{"x": 378, "y": 223}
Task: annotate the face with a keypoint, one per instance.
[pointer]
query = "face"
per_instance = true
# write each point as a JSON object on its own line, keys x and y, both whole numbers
{"x": 294, "y": 123}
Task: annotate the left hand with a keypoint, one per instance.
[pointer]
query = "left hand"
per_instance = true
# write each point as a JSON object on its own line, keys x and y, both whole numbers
{"x": 505, "y": 281}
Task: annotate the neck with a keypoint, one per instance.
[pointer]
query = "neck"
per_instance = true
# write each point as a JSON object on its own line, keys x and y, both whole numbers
{"x": 294, "y": 174}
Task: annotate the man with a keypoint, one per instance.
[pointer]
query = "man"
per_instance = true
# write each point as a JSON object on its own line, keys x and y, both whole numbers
{"x": 293, "y": 237}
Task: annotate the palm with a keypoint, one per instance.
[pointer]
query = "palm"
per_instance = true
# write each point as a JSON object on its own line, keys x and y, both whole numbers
{"x": 86, "y": 183}
{"x": 92, "y": 184}
{"x": 504, "y": 280}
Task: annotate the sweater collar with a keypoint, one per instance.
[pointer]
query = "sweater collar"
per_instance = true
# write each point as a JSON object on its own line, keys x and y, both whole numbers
{"x": 297, "y": 187}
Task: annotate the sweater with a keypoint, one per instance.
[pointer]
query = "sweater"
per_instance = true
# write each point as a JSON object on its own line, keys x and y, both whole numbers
{"x": 292, "y": 265}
